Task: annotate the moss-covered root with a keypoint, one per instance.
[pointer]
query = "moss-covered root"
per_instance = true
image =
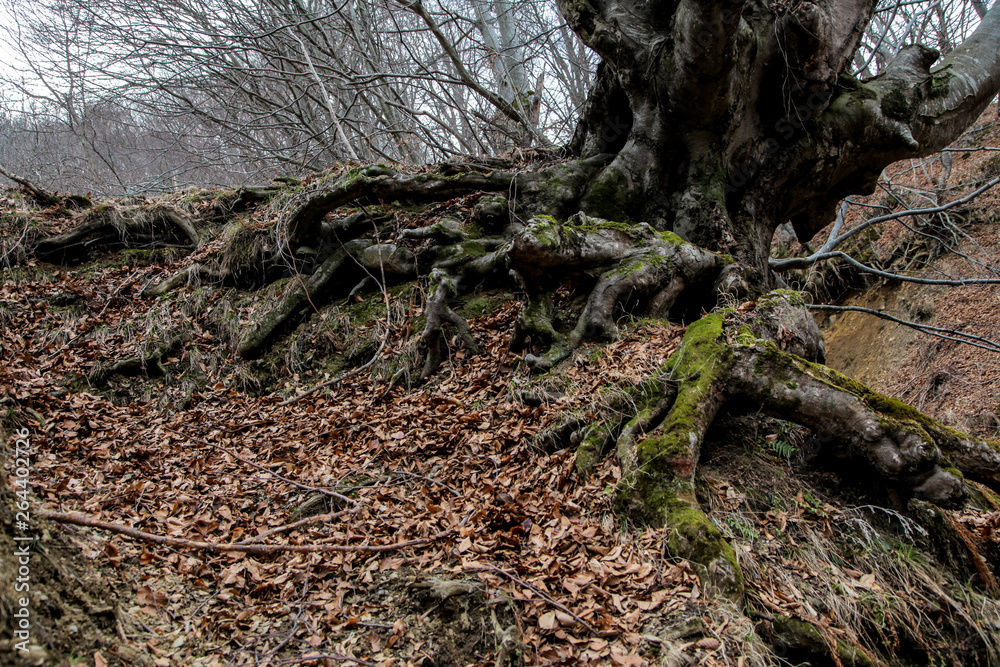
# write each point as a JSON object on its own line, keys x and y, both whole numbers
{"x": 913, "y": 451}
{"x": 192, "y": 274}
{"x": 149, "y": 364}
{"x": 300, "y": 295}
{"x": 442, "y": 289}
{"x": 150, "y": 227}
{"x": 658, "y": 481}
{"x": 631, "y": 262}
{"x": 380, "y": 183}
{"x": 917, "y": 453}
{"x": 799, "y": 641}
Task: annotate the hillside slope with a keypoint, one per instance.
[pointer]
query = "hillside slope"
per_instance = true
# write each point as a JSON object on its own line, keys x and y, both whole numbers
{"x": 376, "y": 519}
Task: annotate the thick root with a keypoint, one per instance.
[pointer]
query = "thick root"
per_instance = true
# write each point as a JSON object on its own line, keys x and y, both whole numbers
{"x": 149, "y": 364}
{"x": 632, "y": 262}
{"x": 442, "y": 288}
{"x": 380, "y": 183}
{"x": 158, "y": 227}
{"x": 192, "y": 274}
{"x": 302, "y": 294}
{"x": 762, "y": 357}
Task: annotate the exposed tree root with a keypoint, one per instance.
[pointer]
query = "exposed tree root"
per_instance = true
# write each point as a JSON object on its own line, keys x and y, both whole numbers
{"x": 631, "y": 262}
{"x": 149, "y": 364}
{"x": 554, "y": 189}
{"x": 40, "y": 196}
{"x": 157, "y": 227}
{"x": 442, "y": 288}
{"x": 380, "y": 183}
{"x": 758, "y": 358}
{"x": 297, "y": 299}
{"x": 193, "y": 273}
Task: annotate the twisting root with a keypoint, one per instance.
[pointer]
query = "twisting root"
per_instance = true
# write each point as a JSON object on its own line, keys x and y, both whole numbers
{"x": 762, "y": 357}
{"x": 442, "y": 288}
{"x": 631, "y": 261}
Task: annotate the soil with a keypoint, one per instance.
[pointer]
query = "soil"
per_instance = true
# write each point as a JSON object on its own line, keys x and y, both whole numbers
{"x": 75, "y": 611}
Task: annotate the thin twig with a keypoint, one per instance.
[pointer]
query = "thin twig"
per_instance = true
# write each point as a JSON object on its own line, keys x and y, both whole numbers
{"x": 548, "y": 598}
{"x": 77, "y": 519}
{"x": 940, "y": 332}
{"x": 835, "y": 240}
{"x": 318, "y": 518}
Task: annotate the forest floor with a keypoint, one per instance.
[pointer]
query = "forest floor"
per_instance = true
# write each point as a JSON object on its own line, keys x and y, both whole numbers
{"x": 434, "y": 524}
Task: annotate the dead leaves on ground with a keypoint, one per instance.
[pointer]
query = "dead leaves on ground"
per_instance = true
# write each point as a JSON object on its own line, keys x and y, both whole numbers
{"x": 456, "y": 454}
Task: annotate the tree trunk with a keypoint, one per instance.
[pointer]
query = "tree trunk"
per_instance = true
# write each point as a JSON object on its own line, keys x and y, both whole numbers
{"x": 739, "y": 116}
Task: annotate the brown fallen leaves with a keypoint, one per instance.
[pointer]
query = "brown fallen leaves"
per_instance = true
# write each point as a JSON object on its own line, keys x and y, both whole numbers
{"x": 448, "y": 470}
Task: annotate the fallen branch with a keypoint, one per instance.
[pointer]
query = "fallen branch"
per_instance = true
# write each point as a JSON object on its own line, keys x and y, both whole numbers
{"x": 78, "y": 519}
{"x": 548, "y": 598}
{"x": 41, "y": 196}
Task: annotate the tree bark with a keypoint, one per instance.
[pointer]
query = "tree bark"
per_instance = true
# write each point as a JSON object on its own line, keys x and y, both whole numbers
{"x": 741, "y": 117}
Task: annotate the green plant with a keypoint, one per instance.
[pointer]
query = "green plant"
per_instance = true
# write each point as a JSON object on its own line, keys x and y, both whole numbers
{"x": 783, "y": 441}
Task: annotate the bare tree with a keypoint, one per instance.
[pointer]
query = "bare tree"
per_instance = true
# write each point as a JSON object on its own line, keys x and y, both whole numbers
{"x": 243, "y": 86}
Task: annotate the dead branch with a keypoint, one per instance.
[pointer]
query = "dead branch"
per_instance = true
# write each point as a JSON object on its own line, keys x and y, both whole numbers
{"x": 41, "y": 196}
{"x": 78, "y": 519}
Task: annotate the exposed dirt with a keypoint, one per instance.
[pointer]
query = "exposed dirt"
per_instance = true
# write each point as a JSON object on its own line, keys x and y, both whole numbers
{"x": 959, "y": 384}
{"x": 74, "y": 611}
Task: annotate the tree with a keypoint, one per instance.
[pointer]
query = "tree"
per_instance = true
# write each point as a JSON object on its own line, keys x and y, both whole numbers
{"x": 710, "y": 125}
{"x": 391, "y": 81}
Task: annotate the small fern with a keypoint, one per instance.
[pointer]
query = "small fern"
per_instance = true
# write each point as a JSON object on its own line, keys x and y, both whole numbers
{"x": 781, "y": 447}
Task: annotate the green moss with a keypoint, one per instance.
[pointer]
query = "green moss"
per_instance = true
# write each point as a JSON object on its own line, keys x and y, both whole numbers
{"x": 858, "y": 89}
{"x": 940, "y": 84}
{"x": 771, "y": 361}
{"x": 895, "y": 105}
{"x": 692, "y": 536}
{"x": 608, "y": 195}
{"x": 474, "y": 230}
{"x": 547, "y": 230}
{"x": 772, "y": 298}
{"x": 366, "y": 312}
{"x": 807, "y": 641}
{"x": 745, "y": 335}
{"x": 483, "y": 304}
{"x": 665, "y": 461}
{"x": 898, "y": 415}
{"x": 591, "y": 448}
{"x": 703, "y": 356}
{"x": 473, "y": 249}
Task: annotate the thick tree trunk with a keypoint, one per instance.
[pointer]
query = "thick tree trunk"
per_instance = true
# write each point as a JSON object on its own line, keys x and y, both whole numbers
{"x": 739, "y": 116}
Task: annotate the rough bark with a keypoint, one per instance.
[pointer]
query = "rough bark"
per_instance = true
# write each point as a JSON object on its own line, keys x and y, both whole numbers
{"x": 741, "y": 116}
{"x": 442, "y": 288}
